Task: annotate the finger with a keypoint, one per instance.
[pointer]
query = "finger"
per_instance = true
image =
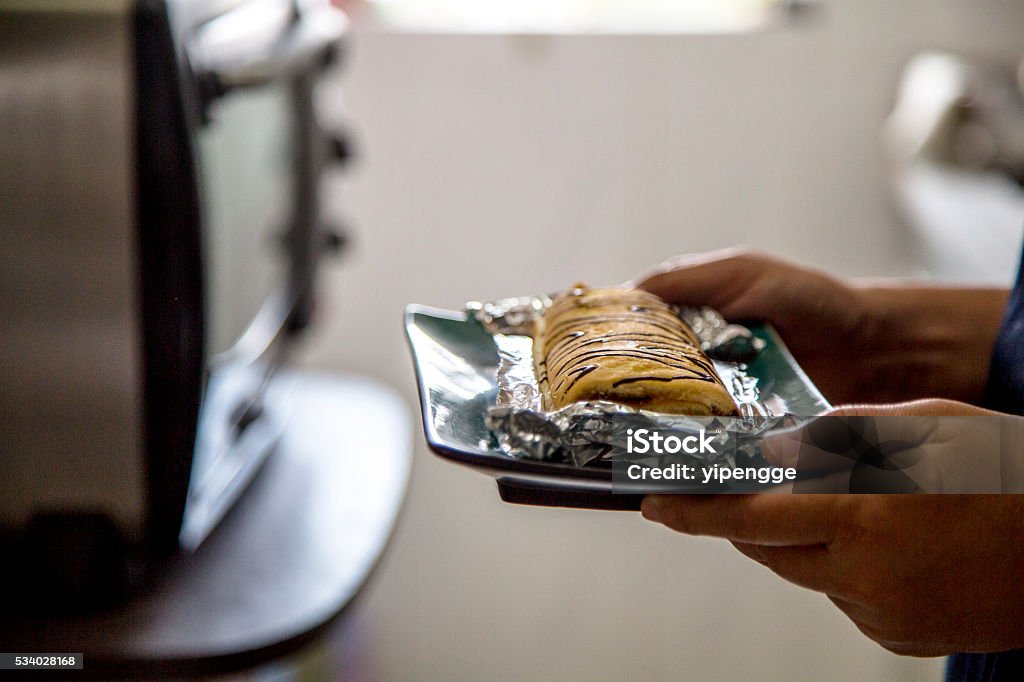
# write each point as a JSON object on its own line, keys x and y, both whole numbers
{"x": 837, "y": 483}
{"x": 686, "y": 260}
{"x": 717, "y": 280}
{"x": 930, "y": 446}
{"x": 822, "y": 444}
{"x": 758, "y": 519}
{"x": 857, "y": 480}
{"x": 926, "y": 407}
{"x": 874, "y": 626}
{"x": 860, "y": 614}
{"x": 809, "y": 566}
{"x": 751, "y": 551}
{"x": 829, "y": 442}
{"x": 849, "y": 435}
{"x": 782, "y": 449}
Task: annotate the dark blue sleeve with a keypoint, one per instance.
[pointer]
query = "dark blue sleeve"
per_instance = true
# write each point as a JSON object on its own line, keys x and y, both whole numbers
{"x": 1005, "y": 393}
{"x": 1006, "y": 666}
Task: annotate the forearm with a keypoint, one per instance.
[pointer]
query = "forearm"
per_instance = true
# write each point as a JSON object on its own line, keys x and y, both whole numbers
{"x": 931, "y": 341}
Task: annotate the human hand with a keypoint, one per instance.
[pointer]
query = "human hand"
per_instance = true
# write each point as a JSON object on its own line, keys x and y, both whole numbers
{"x": 923, "y": 446}
{"x": 859, "y": 342}
{"x": 923, "y": 575}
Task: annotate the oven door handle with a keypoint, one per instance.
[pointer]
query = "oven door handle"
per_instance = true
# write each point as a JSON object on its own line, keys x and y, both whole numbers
{"x": 264, "y": 41}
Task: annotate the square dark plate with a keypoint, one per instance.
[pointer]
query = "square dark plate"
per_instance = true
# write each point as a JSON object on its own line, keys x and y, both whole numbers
{"x": 456, "y": 362}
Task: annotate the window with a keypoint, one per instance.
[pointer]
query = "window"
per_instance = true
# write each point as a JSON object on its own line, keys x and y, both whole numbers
{"x": 570, "y": 16}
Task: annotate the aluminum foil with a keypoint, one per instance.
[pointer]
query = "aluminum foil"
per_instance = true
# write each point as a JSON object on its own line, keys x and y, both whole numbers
{"x": 719, "y": 339}
{"x": 582, "y": 433}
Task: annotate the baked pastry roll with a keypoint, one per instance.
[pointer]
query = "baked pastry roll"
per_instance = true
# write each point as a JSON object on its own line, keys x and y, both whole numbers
{"x": 626, "y": 346}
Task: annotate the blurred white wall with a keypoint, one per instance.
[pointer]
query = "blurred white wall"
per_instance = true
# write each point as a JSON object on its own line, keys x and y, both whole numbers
{"x": 498, "y": 165}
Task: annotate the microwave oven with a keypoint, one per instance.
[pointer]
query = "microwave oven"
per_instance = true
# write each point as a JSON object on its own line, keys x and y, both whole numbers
{"x": 161, "y": 227}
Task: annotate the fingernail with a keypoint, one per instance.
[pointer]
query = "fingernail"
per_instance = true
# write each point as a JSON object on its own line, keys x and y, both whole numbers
{"x": 650, "y": 508}
{"x": 780, "y": 450}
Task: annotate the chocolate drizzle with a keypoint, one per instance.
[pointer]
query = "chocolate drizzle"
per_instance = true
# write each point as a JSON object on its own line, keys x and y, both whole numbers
{"x": 613, "y": 319}
{"x": 580, "y": 372}
{"x": 633, "y": 380}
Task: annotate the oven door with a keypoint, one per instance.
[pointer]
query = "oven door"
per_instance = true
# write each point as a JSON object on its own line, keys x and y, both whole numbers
{"x": 248, "y": 75}
{"x": 259, "y": 152}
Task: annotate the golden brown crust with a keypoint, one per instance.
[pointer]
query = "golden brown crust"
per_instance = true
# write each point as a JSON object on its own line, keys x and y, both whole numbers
{"x": 625, "y": 346}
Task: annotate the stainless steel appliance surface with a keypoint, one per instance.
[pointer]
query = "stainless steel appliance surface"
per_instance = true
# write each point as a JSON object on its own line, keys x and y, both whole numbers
{"x": 160, "y": 227}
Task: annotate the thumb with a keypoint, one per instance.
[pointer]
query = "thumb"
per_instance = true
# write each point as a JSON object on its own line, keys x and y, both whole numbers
{"x": 920, "y": 446}
{"x": 720, "y": 279}
{"x": 848, "y": 434}
{"x": 926, "y": 407}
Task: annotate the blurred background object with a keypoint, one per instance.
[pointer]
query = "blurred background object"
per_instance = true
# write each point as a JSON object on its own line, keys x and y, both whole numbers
{"x": 573, "y": 16}
{"x": 162, "y": 226}
{"x": 956, "y": 142}
{"x": 961, "y": 113}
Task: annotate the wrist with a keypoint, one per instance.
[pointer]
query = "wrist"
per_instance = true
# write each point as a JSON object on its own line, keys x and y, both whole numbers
{"x": 919, "y": 316}
{"x": 931, "y": 341}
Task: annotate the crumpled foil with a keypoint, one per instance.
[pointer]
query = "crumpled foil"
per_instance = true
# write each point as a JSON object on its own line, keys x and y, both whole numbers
{"x": 719, "y": 339}
{"x": 582, "y": 433}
